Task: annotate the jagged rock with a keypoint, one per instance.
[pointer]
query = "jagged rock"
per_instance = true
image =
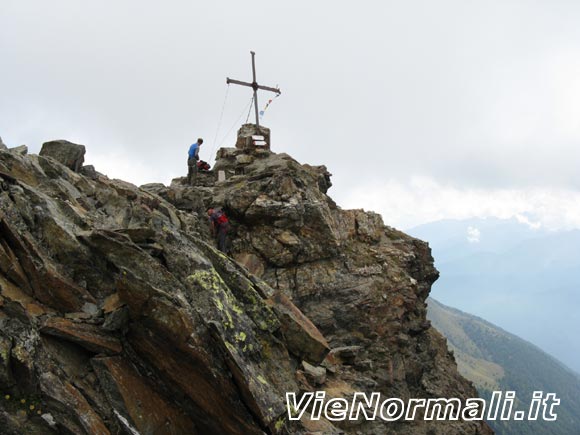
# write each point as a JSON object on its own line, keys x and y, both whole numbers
{"x": 90, "y": 308}
{"x": 21, "y": 150}
{"x": 344, "y": 354}
{"x": 303, "y": 338}
{"x": 156, "y": 188}
{"x": 112, "y": 303}
{"x": 316, "y": 375}
{"x": 89, "y": 171}
{"x": 252, "y": 262}
{"x": 13, "y": 296}
{"x": 84, "y": 418}
{"x": 119, "y": 315}
{"x": 42, "y": 280}
{"x": 135, "y": 399}
{"x": 3, "y": 146}
{"x": 369, "y": 226}
{"x": 117, "y": 320}
{"x": 69, "y": 154}
{"x": 319, "y": 427}
{"x": 6, "y": 379}
{"x": 324, "y": 175}
{"x": 88, "y": 336}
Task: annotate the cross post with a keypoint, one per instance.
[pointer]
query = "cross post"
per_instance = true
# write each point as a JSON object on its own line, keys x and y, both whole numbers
{"x": 255, "y": 86}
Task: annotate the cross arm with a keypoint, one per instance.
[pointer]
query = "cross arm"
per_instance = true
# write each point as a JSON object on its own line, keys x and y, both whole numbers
{"x": 253, "y": 85}
{"x": 266, "y": 88}
{"x": 238, "y": 82}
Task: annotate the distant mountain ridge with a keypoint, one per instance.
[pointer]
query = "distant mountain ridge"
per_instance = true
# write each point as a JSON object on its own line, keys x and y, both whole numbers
{"x": 495, "y": 360}
{"x": 523, "y": 279}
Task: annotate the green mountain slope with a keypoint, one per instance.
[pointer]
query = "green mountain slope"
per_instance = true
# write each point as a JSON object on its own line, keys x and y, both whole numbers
{"x": 494, "y": 359}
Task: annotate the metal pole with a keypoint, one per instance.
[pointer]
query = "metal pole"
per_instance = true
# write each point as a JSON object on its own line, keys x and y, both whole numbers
{"x": 255, "y": 86}
{"x": 253, "y": 66}
{"x": 256, "y": 110}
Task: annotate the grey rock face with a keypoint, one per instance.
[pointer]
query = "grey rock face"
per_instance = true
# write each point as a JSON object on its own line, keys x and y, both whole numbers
{"x": 69, "y": 154}
{"x": 117, "y": 311}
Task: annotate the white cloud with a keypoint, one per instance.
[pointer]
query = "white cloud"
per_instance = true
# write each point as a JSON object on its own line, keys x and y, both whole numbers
{"x": 473, "y": 235}
{"x": 489, "y": 119}
{"x": 422, "y": 200}
{"x": 522, "y": 219}
{"x": 119, "y": 164}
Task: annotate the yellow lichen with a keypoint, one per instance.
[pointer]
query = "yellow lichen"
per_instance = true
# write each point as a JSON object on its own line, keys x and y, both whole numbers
{"x": 237, "y": 309}
{"x": 208, "y": 279}
{"x": 218, "y": 304}
{"x": 230, "y": 346}
{"x": 279, "y": 424}
{"x": 229, "y": 322}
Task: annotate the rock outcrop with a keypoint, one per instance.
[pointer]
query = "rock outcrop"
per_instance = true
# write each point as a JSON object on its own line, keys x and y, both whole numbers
{"x": 69, "y": 154}
{"x": 118, "y": 315}
{"x": 21, "y": 150}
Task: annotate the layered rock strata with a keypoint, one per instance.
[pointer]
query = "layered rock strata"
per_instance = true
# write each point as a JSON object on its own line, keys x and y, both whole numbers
{"x": 118, "y": 315}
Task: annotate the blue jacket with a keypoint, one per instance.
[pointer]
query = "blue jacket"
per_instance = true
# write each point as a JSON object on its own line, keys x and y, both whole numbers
{"x": 194, "y": 151}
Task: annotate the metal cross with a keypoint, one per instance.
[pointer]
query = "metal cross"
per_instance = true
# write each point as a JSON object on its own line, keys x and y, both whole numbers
{"x": 255, "y": 86}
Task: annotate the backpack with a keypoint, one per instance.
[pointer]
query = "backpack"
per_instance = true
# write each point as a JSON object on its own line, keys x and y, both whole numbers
{"x": 204, "y": 166}
{"x": 220, "y": 217}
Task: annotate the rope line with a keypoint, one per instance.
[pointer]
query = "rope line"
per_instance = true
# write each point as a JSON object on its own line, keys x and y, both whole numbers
{"x": 236, "y": 122}
{"x": 220, "y": 122}
{"x": 250, "y": 109}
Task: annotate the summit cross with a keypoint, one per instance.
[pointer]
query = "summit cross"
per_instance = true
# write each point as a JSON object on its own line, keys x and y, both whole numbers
{"x": 255, "y": 86}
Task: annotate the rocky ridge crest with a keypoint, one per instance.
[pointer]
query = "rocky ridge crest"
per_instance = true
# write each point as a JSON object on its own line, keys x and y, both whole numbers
{"x": 118, "y": 315}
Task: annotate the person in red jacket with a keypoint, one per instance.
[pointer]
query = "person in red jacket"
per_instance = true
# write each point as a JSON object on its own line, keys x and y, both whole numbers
{"x": 220, "y": 226}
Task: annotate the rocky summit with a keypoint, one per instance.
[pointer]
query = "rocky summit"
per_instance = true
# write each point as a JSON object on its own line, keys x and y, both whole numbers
{"x": 118, "y": 315}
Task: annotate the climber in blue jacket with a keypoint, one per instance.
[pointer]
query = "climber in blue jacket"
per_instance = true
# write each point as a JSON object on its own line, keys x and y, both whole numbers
{"x": 193, "y": 157}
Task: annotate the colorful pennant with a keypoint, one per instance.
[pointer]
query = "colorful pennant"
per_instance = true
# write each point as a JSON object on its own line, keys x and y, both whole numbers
{"x": 267, "y": 104}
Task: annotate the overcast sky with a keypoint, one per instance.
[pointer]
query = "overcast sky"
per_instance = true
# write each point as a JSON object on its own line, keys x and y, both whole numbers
{"x": 422, "y": 110}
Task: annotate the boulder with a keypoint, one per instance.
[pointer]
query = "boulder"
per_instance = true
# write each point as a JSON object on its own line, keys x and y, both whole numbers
{"x": 315, "y": 375}
{"x": 69, "y": 154}
{"x": 21, "y": 150}
{"x": 89, "y": 171}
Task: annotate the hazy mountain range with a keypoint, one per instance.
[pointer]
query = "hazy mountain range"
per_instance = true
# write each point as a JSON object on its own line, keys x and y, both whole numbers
{"x": 522, "y": 278}
{"x": 496, "y": 360}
